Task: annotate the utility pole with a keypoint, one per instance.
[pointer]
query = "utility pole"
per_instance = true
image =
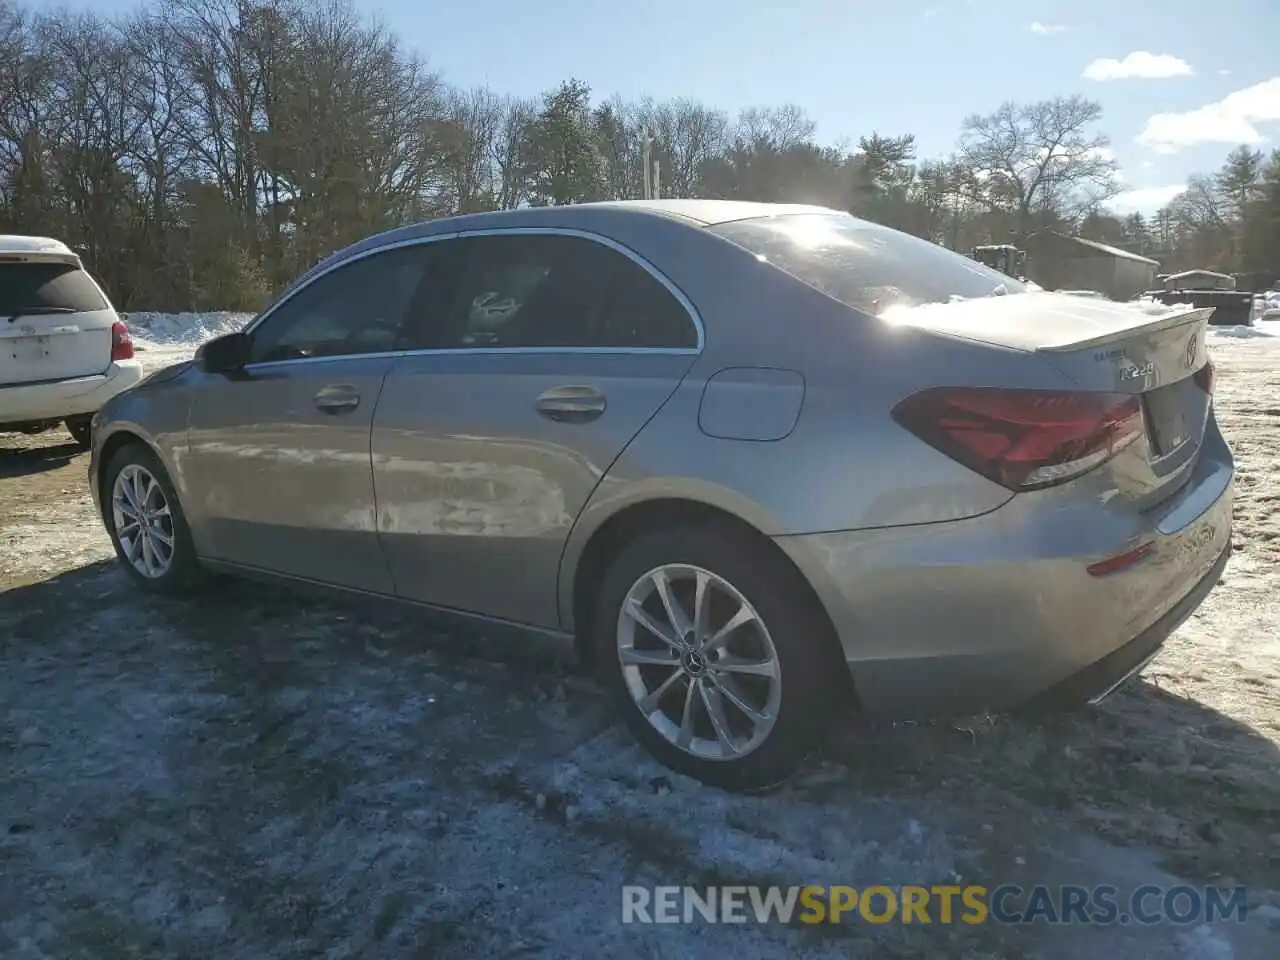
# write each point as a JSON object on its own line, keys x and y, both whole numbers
{"x": 652, "y": 171}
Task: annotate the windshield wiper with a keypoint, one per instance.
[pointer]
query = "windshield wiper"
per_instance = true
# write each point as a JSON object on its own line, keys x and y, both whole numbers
{"x": 38, "y": 312}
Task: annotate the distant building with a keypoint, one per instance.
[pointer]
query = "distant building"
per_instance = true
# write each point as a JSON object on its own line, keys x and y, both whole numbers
{"x": 1199, "y": 280}
{"x": 1057, "y": 261}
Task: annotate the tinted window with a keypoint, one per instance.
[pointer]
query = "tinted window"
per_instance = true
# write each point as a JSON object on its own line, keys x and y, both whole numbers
{"x": 50, "y": 287}
{"x": 864, "y": 265}
{"x": 358, "y": 308}
{"x": 554, "y": 291}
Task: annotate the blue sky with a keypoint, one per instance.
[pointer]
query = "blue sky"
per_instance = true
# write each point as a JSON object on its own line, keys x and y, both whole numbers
{"x": 1205, "y": 75}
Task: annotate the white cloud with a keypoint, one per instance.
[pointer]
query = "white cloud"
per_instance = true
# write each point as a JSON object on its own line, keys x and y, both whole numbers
{"x": 1146, "y": 199}
{"x": 1044, "y": 29}
{"x": 1140, "y": 64}
{"x": 1233, "y": 120}
{"x": 1224, "y": 73}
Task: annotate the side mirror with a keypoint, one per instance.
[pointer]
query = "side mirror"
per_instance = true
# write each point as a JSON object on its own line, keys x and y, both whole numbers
{"x": 225, "y": 354}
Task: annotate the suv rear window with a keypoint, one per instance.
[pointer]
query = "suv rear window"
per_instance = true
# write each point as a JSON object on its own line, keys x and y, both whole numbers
{"x": 38, "y": 287}
{"x": 864, "y": 265}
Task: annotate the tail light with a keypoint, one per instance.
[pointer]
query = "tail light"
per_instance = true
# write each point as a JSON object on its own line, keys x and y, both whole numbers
{"x": 1204, "y": 377}
{"x": 121, "y": 342}
{"x": 1023, "y": 439}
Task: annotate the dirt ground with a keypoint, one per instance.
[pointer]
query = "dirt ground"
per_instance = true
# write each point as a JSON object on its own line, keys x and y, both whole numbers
{"x": 259, "y": 774}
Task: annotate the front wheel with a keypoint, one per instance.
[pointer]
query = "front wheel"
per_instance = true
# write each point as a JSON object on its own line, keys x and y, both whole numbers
{"x": 145, "y": 520}
{"x": 721, "y": 661}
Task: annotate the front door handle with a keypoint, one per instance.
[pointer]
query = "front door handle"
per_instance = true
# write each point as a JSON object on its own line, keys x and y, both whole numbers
{"x": 571, "y": 404}
{"x": 337, "y": 399}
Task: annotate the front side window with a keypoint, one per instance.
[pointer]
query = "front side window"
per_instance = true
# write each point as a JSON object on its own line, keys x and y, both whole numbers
{"x": 539, "y": 290}
{"x": 866, "y": 266}
{"x": 358, "y": 308}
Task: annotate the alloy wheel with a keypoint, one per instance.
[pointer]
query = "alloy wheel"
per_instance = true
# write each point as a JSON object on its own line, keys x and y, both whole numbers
{"x": 142, "y": 521}
{"x": 699, "y": 662}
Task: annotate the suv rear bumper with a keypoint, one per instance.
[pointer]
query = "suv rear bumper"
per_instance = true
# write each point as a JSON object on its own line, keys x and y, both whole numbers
{"x": 60, "y": 399}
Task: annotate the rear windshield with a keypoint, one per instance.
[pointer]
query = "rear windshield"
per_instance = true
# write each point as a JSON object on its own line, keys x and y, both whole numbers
{"x": 33, "y": 287}
{"x": 864, "y": 265}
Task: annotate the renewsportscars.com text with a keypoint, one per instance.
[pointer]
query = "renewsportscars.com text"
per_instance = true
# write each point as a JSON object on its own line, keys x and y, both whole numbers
{"x": 945, "y": 904}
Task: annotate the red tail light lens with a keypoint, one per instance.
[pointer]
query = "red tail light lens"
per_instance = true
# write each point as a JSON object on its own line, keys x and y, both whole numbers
{"x": 121, "y": 342}
{"x": 1023, "y": 439}
{"x": 1204, "y": 377}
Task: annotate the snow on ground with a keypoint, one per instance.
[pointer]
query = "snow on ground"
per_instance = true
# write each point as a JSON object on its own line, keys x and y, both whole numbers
{"x": 254, "y": 773}
{"x": 161, "y": 339}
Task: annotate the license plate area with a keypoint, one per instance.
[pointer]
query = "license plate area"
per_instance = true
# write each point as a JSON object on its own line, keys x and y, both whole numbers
{"x": 25, "y": 350}
{"x": 1168, "y": 423}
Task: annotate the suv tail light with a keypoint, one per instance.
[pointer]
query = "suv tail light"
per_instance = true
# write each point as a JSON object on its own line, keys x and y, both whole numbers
{"x": 1204, "y": 377}
{"x": 1023, "y": 439}
{"x": 121, "y": 342}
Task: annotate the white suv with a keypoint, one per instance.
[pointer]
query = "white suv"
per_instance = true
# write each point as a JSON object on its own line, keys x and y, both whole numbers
{"x": 63, "y": 350}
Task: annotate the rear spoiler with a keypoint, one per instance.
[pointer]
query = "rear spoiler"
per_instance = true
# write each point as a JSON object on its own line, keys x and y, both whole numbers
{"x": 41, "y": 256}
{"x": 1169, "y": 321}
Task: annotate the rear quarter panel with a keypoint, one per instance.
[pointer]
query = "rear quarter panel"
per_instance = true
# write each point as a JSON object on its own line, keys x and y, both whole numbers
{"x": 846, "y": 464}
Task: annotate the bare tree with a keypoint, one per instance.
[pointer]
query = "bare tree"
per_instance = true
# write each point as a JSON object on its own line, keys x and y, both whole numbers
{"x": 1028, "y": 154}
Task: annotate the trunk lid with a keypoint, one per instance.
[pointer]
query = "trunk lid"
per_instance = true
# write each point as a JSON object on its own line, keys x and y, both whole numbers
{"x": 1157, "y": 352}
{"x": 55, "y": 323}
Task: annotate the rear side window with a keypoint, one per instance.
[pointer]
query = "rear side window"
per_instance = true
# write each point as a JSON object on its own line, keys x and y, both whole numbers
{"x": 46, "y": 287}
{"x": 551, "y": 291}
{"x": 864, "y": 265}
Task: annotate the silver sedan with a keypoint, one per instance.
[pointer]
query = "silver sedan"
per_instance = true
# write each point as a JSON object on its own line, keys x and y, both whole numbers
{"x": 764, "y": 464}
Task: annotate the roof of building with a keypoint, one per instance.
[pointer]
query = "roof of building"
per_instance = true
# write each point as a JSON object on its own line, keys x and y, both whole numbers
{"x": 1102, "y": 247}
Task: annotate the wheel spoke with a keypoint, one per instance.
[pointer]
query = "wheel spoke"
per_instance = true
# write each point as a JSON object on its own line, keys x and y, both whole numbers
{"x": 133, "y": 547}
{"x": 148, "y": 554}
{"x": 161, "y": 537}
{"x": 637, "y": 613}
{"x": 701, "y": 606}
{"x": 130, "y": 493}
{"x": 719, "y": 722}
{"x": 650, "y": 703}
{"x": 718, "y": 639}
{"x": 685, "y": 736}
{"x": 126, "y": 509}
{"x": 755, "y": 668}
{"x": 734, "y": 695}
{"x": 675, "y": 613}
{"x": 631, "y": 657}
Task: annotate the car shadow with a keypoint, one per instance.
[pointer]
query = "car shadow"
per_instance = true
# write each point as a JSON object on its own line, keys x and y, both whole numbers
{"x": 1146, "y": 768}
{"x": 27, "y": 461}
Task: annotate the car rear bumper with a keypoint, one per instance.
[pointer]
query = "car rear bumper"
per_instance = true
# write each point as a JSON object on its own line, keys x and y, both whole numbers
{"x": 990, "y": 613}
{"x": 60, "y": 399}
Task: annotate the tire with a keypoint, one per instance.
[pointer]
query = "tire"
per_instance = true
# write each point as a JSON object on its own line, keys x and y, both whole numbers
{"x": 803, "y": 647}
{"x": 182, "y": 573}
{"x": 78, "y": 427}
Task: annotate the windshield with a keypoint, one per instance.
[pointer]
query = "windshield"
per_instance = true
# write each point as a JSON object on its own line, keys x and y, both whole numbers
{"x": 863, "y": 265}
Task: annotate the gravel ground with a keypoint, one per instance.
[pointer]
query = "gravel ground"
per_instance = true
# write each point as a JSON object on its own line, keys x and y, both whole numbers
{"x": 258, "y": 774}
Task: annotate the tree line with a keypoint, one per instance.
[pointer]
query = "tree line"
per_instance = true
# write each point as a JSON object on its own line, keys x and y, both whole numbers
{"x": 199, "y": 154}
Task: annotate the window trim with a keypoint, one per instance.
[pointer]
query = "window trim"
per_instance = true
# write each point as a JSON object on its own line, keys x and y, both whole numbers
{"x": 694, "y": 317}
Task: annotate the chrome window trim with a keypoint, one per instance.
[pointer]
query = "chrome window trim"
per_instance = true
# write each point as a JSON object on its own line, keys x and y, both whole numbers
{"x": 694, "y": 317}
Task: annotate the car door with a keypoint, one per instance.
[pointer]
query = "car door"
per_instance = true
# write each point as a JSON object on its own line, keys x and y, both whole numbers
{"x": 277, "y": 470}
{"x": 548, "y": 356}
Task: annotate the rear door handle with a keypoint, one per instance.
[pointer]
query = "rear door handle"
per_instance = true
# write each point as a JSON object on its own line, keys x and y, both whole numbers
{"x": 571, "y": 404}
{"x": 336, "y": 399}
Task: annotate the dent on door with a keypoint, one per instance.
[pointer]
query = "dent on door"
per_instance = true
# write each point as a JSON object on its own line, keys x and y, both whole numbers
{"x": 482, "y": 464}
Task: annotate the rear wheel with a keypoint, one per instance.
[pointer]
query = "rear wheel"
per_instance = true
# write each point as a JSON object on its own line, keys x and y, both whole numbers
{"x": 147, "y": 526}
{"x": 78, "y": 427}
{"x": 721, "y": 663}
